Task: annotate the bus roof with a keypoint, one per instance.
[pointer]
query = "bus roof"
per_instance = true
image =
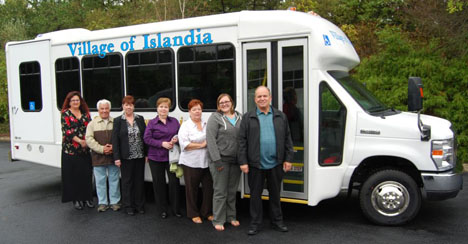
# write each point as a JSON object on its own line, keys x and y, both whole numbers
{"x": 330, "y": 46}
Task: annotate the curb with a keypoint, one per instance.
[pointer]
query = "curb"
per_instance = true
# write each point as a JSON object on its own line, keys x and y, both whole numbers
{"x": 4, "y": 139}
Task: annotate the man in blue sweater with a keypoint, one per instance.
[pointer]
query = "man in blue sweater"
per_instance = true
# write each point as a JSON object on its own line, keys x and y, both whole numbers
{"x": 265, "y": 152}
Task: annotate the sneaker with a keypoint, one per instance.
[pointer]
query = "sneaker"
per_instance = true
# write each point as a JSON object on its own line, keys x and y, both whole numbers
{"x": 115, "y": 207}
{"x": 102, "y": 208}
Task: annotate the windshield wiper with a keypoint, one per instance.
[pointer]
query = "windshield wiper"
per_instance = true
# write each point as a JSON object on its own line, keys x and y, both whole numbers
{"x": 376, "y": 109}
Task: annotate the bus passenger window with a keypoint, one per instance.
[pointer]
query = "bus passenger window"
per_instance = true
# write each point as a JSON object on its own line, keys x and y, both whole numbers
{"x": 30, "y": 86}
{"x": 204, "y": 72}
{"x": 332, "y": 123}
{"x": 67, "y": 78}
{"x": 150, "y": 75}
{"x": 102, "y": 79}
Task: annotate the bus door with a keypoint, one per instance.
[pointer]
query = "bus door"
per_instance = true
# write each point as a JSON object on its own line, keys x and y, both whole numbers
{"x": 279, "y": 65}
{"x": 30, "y": 97}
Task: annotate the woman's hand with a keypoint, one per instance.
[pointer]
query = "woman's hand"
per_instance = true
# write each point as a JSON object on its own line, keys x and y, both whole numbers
{"x": 203, "y": 144}
{"x": 167, "y": 145}
{"x": 118, "y": 163}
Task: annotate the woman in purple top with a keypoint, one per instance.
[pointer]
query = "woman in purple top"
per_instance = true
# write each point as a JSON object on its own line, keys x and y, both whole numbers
{"x": 160, "y": 136}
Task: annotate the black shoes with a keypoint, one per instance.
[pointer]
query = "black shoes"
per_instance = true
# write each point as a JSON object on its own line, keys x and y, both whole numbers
{"x": 77, "y": 205}
{"x": 88, "y": 204}
{"x": 164, "y": 215}
{"x": 178, "y": 215}
{"x": 130, "y": 211}
{"x": 253, "y": 230}
{"x": 280, "y": 227}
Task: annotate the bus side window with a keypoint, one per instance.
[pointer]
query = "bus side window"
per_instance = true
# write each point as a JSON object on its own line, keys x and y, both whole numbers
{"x": 30, "y": 86}
{"x": 204, "y": 72}
{"x": 150, "y": 75}
{"x": 67, "y": 78}
{"x": 332, "y": 123}
{"x": 103, "y": 79}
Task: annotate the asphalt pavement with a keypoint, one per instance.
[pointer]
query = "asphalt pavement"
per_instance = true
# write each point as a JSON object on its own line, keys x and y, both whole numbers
{"x": 31, "y": 212}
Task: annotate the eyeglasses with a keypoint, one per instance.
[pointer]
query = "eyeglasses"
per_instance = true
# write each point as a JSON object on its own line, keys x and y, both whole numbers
{"x": 226, "y": 102}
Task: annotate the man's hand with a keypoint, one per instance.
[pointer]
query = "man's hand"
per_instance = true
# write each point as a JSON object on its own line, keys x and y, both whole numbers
{"x": 107, "y": 149}
{"x": 287, "y": 166}
{"x": 245, "y": 168}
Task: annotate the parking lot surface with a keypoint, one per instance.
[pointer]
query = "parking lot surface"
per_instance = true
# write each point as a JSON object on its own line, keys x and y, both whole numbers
{"x": 31, "y": 212}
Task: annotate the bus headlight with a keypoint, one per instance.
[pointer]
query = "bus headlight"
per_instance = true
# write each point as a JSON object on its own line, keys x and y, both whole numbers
{"x": 443, "y": 154}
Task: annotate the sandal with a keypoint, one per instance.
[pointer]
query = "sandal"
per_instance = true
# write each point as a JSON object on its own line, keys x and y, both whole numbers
{"x": 197, "y": 220}
{"x": 210, "y": 218}
{"x": 219, "y": 227}
{"x": 235, "y": 223}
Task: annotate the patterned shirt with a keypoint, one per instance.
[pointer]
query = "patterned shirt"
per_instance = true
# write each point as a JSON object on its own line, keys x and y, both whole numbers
{"x": 134, "y": 139}
{"x": 71, "y": 127}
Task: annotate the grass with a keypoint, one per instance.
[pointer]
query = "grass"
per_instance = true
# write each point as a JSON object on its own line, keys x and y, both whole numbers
{"x": 4, "y": 128}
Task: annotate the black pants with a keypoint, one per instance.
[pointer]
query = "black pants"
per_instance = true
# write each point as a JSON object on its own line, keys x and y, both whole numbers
{"x": 193, "y": 177}
{"x": 133, "y": 183}
{"x": 257, "y": 178}
{"x": 158, "y": 172}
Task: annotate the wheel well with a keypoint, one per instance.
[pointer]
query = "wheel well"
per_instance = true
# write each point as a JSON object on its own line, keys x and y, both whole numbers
{"x": 373, "y": 164}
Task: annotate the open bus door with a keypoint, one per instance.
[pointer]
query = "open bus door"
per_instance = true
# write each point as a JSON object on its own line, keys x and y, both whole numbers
{"x": 30, "y": 98}
{"x": 280, "y": 65}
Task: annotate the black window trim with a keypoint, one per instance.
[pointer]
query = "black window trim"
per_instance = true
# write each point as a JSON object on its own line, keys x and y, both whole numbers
{"x": 92, "y": 108}
{"x": 40, "y": 84}
{"x": 344, "y": 129}
{"x": 152, "y": 108}
{"x": 59, "y": 106}
{"x": 234, "y": 60}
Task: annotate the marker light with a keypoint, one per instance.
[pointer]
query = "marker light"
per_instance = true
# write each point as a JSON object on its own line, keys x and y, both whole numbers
{"x": 443, "y": 154}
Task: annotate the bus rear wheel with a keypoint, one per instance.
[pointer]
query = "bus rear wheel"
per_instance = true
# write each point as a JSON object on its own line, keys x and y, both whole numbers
{"x": 390, "y": 197}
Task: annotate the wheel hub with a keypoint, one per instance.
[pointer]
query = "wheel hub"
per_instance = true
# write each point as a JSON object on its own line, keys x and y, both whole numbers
{"x": 390, "y": 198}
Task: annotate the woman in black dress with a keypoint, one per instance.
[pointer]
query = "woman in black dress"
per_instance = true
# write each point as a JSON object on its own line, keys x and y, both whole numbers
{"x": 76, "y": 160}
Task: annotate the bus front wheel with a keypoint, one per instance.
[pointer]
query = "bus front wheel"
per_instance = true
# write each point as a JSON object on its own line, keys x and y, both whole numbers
{"x": 390, "y": 197}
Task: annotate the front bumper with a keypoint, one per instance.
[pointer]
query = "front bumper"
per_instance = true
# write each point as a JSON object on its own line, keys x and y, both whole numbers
{"x": 441, "y": 186}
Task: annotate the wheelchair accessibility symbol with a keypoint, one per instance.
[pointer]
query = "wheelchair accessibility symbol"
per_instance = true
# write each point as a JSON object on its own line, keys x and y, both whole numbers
{"x": 326, "y": 40}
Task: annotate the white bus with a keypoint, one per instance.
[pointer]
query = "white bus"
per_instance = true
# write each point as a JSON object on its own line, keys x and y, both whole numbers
{"x": 344, "y": 138}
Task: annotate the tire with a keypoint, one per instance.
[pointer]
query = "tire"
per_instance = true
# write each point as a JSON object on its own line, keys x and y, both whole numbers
{"x": 390, "y": 197}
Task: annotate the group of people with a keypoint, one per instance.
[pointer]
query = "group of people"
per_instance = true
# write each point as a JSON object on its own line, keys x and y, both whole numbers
{"x": 212, "y": 154}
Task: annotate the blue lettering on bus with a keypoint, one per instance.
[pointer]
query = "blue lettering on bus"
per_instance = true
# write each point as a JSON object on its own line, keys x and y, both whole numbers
{"x": 326, "y": 40}
{"x": 339, "y": 37}
{"x": 150, "y": 41}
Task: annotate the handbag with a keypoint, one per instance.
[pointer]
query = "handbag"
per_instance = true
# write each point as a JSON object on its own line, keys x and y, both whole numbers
{"x": 174, "y": 154}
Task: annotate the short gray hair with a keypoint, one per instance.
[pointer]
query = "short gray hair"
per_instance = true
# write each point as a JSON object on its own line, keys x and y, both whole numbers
{"x": 103, "y": 101}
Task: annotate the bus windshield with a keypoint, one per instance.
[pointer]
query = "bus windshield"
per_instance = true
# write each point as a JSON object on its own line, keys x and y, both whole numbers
{"x": 363, "y": 97}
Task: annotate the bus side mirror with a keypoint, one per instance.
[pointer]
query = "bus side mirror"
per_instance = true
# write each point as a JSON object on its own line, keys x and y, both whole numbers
{"x": 415, "y": 94}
